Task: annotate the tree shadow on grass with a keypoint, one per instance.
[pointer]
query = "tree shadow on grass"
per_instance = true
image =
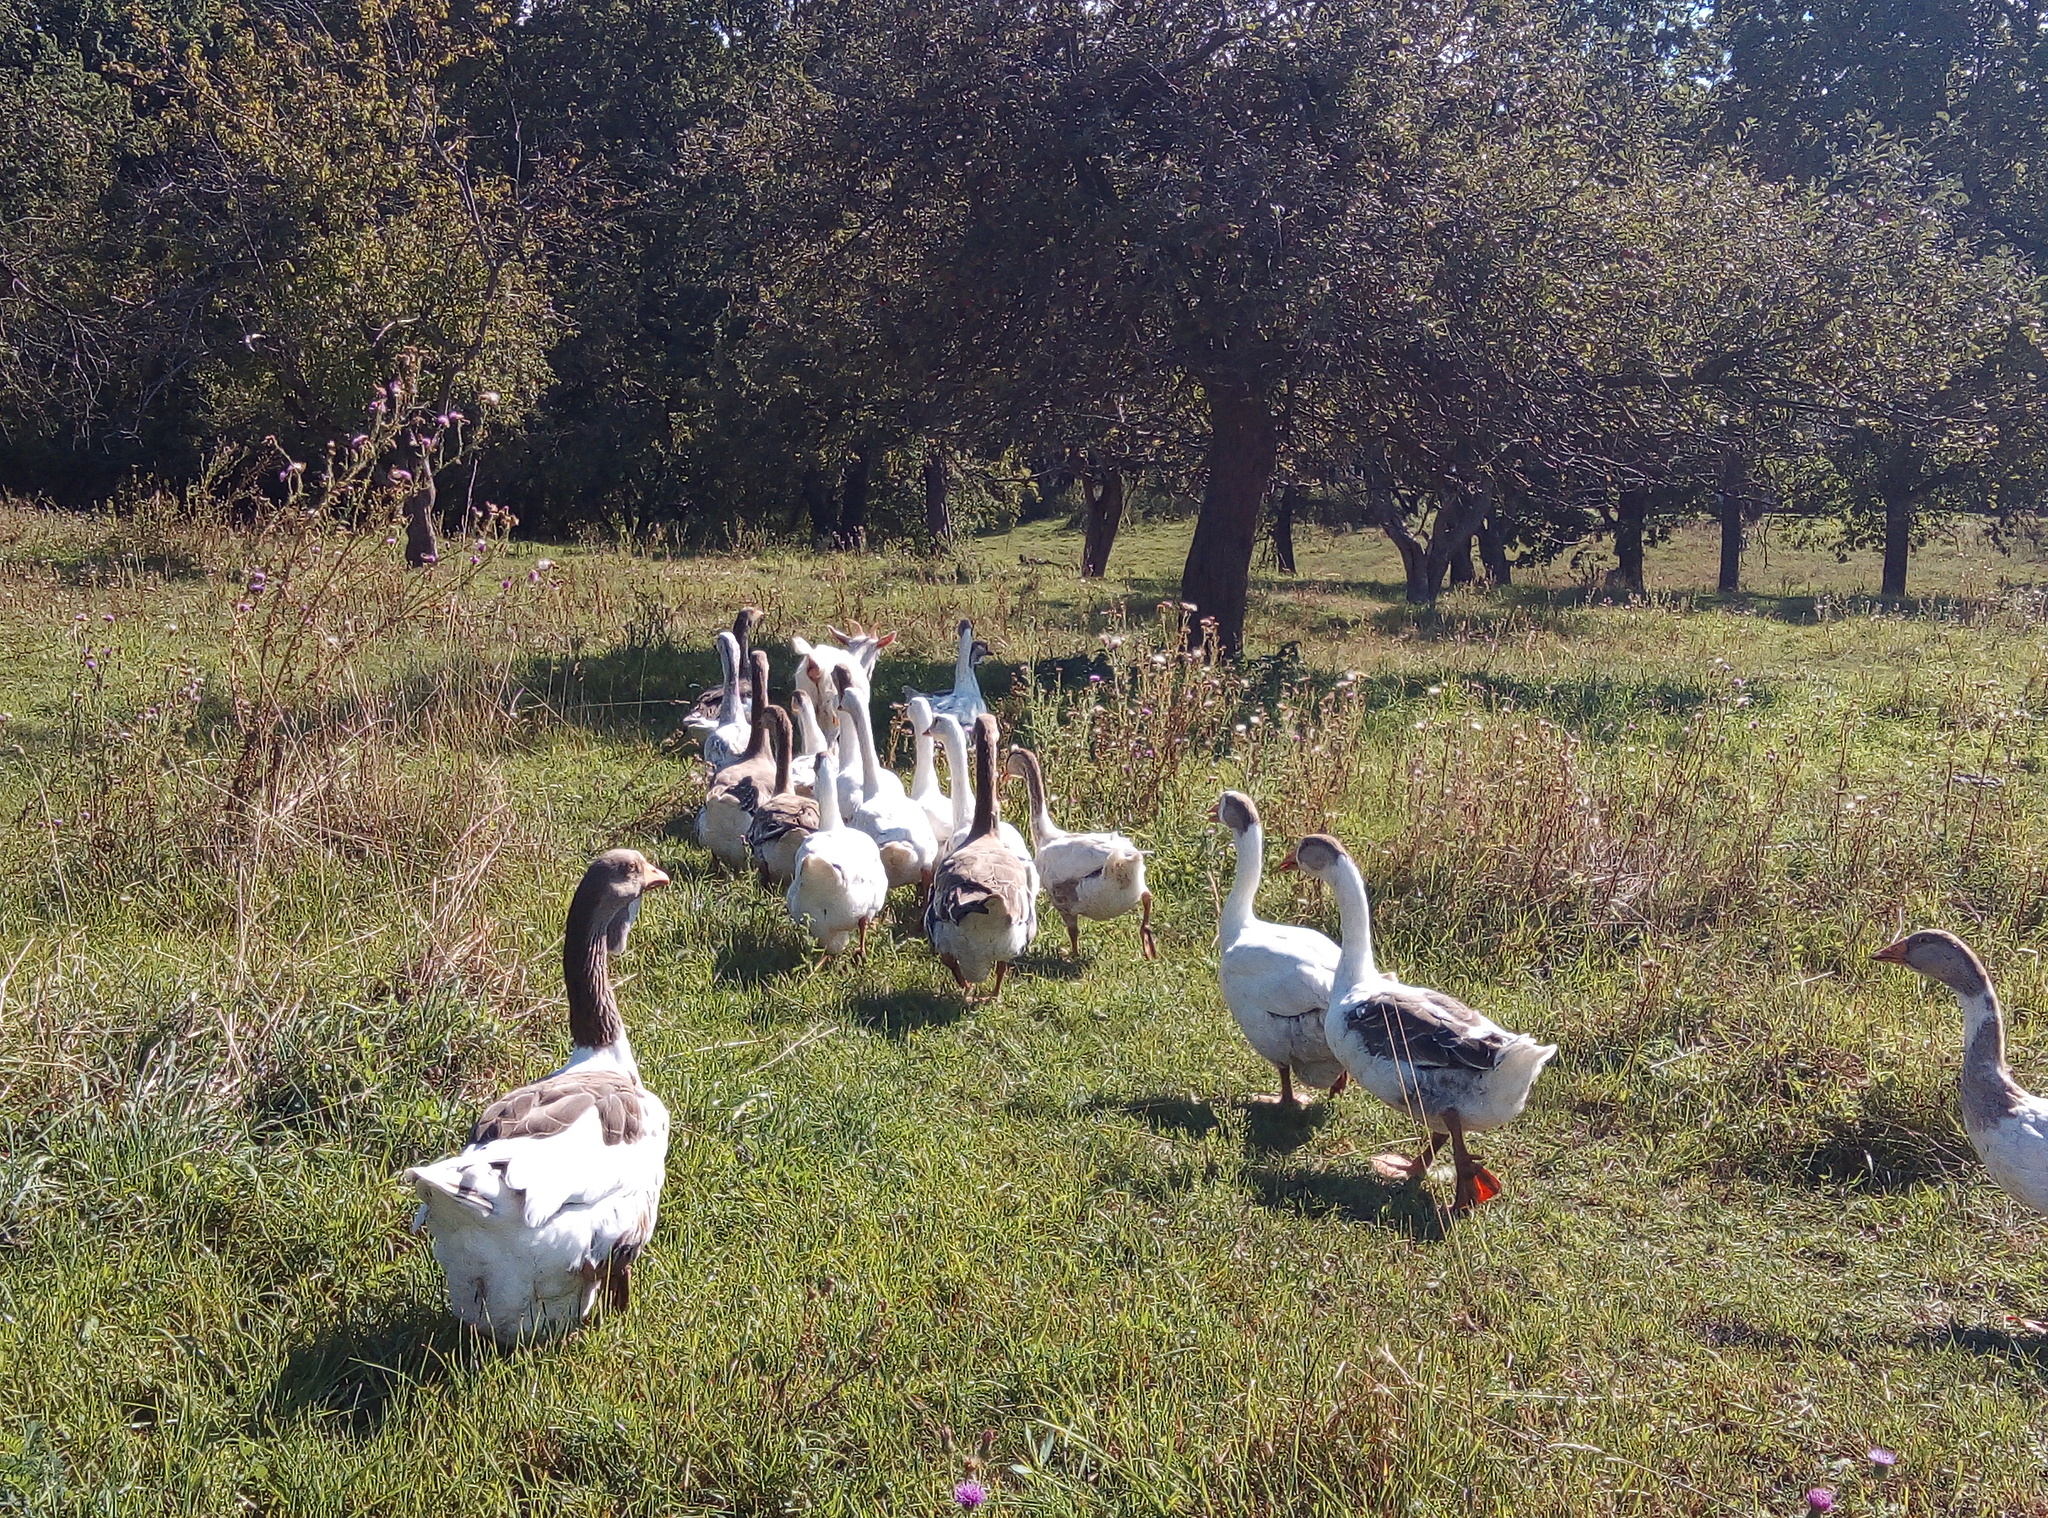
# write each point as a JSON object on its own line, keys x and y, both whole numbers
{"x": 348, "y": 1377}
{"x": 904, "y": 1010}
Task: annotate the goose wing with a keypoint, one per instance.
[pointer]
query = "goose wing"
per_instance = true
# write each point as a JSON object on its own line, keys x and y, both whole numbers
{"x": 779, "y": 816}
{"x": 554, "y": 1105}
{"x": 1413, "y": 1025}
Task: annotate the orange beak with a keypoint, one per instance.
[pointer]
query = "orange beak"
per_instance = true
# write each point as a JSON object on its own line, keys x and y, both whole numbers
{"x": 1216, "y": 812}
{"x": 658, "y": 878}
{"x": 1289, "y": 863}
{"x": 1891, "y": 953}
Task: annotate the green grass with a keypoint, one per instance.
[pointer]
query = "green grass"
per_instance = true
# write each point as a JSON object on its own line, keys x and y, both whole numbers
{"x": 1744, "y": 1239}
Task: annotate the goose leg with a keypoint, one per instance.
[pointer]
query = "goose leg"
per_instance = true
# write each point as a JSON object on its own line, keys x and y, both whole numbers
{"x": 1145, "y": 938}
{"x": 954, "y": 965}
{"x": 1338, "y": 1086}
{"x": 1476, "y": 1183}
{"x": 1073, "y": 935}
{"x": 862, "y": 953}
{"x": 1406, "y": 1167}
{"x": 1286, "y": 1087}
{"x": 1002, "y": 969}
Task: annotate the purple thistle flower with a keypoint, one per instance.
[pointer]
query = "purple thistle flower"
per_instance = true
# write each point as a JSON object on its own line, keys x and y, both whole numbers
{"x": 970, "y": 1495}
{"x": 1820, "y": 1500}
{"x": 241, "y": 606}
{"x": 1881, "y": 1456}
{"x": 476, "y": 558}
{"x": 361, "y": 439}
{"x": 402, "y": 476}
{"x": 430, "y": 558}
{"x": 504, "y": 585}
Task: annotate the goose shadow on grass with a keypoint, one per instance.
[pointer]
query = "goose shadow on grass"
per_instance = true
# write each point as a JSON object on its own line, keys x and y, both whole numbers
{"x": 2028, "y": 1349}
{"x": 904, "y": 1010}
{"x": 349, "y": 1377}
{"x": 1351, "y": 1194}
{"x": 754, "y": 954}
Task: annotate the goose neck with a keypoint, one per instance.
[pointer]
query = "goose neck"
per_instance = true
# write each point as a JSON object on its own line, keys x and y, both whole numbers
{"x": 960, "y": 786}
{"x": 1244, "y": 885}
{"x": 924, "y": 775}
{"x": 825, "y": 786}
{"x": 864, "y": 740}
{"x": 985, "y": 814}
{"x": 594, "y": 1020}
{"x": 1042, "y": 829}
{"x": 1354, "y": 912}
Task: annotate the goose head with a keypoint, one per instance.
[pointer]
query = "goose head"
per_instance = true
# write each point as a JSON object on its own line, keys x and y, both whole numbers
{"x": 1316, "y": 855}
{"x": 972, "y": 649}
{"x": 1941, "y": 956}
{"x": 608, "y": 900}
{"x": 919, "y": 711}
{"x": 1236, "y": 811}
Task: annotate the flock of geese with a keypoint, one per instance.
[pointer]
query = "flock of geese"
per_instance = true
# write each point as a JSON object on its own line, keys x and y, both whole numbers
{"x": 538, "y": 1221}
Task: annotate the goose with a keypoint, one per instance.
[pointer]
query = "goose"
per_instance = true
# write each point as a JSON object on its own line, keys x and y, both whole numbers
{"x": 783, "y": 819}
{"x": 816, "y": 661}
{"x": 963, "y": 703}
{"x": 704, "y": 714}
{"x": 924, "y": 779}
{"x": 837, "y": 884}
{"x": 728, "y": 809}
{"x": 1275, "y": 976}
{"x": 803, "y": 765}
{"x": 1099, "y": 876}
{"x": 954, "y": 742}
{"x": 2008, "y": 1126}
{"x": 984, "y": 899}
{"x": 899, "y": 826}
{"x": 732, "y": 725}
{"x": 856, "y": 741}
{"x": 1420, "y": 1051}
{"x": 551, "y": 1202}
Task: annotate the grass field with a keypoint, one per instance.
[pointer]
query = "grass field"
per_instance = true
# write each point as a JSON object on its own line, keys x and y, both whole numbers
{"x": 289, "y": 840}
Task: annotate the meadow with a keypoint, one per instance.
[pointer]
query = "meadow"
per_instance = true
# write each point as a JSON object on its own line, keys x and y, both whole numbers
{"x": 287, "y": 837}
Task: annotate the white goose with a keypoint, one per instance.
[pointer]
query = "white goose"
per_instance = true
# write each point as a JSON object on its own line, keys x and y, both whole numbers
{"x": 783, "y": 819}
{"x": 1419, "y": 1051}
{"x": 924, "y": 778}
{"x": 1099, "y": 876}
{"x": 899, "y": 826}
{"x": 1275, "y": 976}
{"x": 556, "y": 1194}
{"x": 837, "y": 884}
{"x": 816, "y": 661}
{"x": 803, "y": 764}
{"x": 729, "y": 730}
{"x": 983, "y": 909}
{"x": 728, "y": 809}
{"x": 963, "y": 703}
{"x": 954, "y": 742}
{"x": 703, "y": 717}
{"x": 2008, "y": 1126}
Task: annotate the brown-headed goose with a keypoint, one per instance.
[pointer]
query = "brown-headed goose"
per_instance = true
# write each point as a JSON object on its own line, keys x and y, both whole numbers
{"x": 782, "y": 820}
{"x": 554, "y": 1197}
{"x": 1275, "y": 976}
{"x": 2008, "y": 1126}
{"x": 984, "y": 899}
{"x": 1099, "y": 876}
{"x": 1419, "y": 1051}
{"x": 728, "y": 809}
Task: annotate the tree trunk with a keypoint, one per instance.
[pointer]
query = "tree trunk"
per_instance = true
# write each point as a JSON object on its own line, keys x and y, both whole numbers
{"x": 1462, "y": 572}
{"x": 1385, "y": 508}
{"x": 853, "y": 500}
{"x": 1631, "y": 512}
{"x": 1103, "y": 493}
{"x": 1897, "y": 483}
{"x": 1493, "y": 553}
{"x": 1463, "y": 503}
{"x": 1283, "y": 527}
{"x": 1216, "y": 580}
{"x": 1730, "y": 503}
{"x": 938, "y": 509}
{"x": 824, "y": 507}
{"x": 422, "y": 522}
